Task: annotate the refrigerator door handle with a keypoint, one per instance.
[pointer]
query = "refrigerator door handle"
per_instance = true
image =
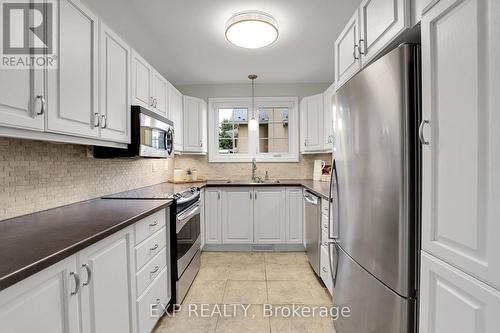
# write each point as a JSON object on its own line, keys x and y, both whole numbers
{"x": 333, "y": 226}
{"x": 333, "y": 268}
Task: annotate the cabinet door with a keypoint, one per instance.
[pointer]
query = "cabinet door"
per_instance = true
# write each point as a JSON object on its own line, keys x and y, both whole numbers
{"x": 141, "y": 82}
{"x": 193, "y": 124}
{"x": 159, "y": 86}
{"x": 329, "y": 106}
{"x": 237, "y": 215}
{"x": 114, "y": 72}
{"x": 213, "y": 218}
{"x": 381, "y": 22}
{"x": 72, "y": 103}
{"x": 202, "y": 217}
{"x": 451, "y": 301}
{"x": 269, "y": 215}
{"x": 460, "y": 196}
{"x": 312, "y": 123}
{"x": 107, "y": 293}
{"x": 294, "y": 215}
{"x": 347, "y": 58}
{"x": 175, "y": 111}
{"x": 43, "y": 302}
{"x": 19, "y": 105}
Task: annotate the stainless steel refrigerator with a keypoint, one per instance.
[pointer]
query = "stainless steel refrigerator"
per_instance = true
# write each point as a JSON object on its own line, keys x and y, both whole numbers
{"x": 374, "y": 218}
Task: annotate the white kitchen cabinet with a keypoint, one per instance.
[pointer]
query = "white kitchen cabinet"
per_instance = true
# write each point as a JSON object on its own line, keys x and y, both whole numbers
{"x": 461, "y": 127}
{"x": 159, "y": 93}
{"x": 19, "y": 106}
{"x": 237, "y": 215}
{"x": 142, "y": 73}
{"x": 202, "y": 217}
{"x": 347, "y": 57}
{"x": 175, "y": 114}
{"x": 72, "y": 103}
{"x": 114, "y": 79}
{"x": 43, "y": 302}
{"x": 293, "y": 215}
{"x": 452, "y": 301}
{"x": 380, "y": 22}
{"x": 213, "y": 216}
{"x": 106, "y": 284}
{"x": 195, "y": 123}
{"x": 325, "y": 269}
{"x": 329, "y": 108}
{"x": 312, "y": 124}
{"x": 269, "y": 215}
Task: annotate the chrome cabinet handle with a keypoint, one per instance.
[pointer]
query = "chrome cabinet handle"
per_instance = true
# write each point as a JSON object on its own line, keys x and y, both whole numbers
{"x": 154, "y": 224}
{"x": 255, "y": 195}
{"x": 153, "y": 248}
{"x": 218, "y": 195}
{"x": 77, "y": 282}
{"x": 155, "y": 269}
{"x": 89, "y": 275}
{"x": 104, "y": 121}
{"x": 42, "y": 108}
{"x": 421, "y": 132}
{"x": 155, "y": 102}
{"x": 250, "y": 195}
{"x": 97, "y": 119}
{"x": 324, "y": 269}
{"x": 151, "y": 101}
{"x": 356, "y": 47}
{"x": 364, "y": 46}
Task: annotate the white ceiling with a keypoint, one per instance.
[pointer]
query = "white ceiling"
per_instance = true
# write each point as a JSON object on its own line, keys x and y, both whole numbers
{"x": 184, "y": 39}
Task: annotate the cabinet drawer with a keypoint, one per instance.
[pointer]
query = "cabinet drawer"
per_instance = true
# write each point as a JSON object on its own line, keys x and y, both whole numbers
{"x": 157, "y": 293}
{"x": 325, "y": 272}
{"x": 324, "y": 206}
{"x": 148, "y": 273}
{"x": 149, "y": 225}
{"x": 150, "y": 247}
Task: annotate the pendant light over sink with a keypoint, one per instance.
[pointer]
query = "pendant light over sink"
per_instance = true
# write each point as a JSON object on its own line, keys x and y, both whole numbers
{"x": 252, "y": 123}
{"x": 251, "y": 29}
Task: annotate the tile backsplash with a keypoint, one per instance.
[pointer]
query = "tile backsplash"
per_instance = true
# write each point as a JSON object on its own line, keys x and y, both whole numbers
{"x": 37, "y": 175}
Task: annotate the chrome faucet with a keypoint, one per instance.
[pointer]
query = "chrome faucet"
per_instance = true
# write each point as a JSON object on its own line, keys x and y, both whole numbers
{"x": 254, "y": 168}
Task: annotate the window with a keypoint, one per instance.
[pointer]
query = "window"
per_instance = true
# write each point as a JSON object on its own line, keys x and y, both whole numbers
{"x": 275, "y": 140}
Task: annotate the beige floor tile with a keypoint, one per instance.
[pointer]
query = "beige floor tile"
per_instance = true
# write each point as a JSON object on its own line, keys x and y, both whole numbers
{"x": 205, "y": 292}
{"x": 297, "y": 272}
{"x": 247, "y": 272}
{"x": 297, "y": 292}
{"x": 217, "y": 258}
{"x": 186, "y": 322}
{"x": 285, "y": 258}
{"x": 249, "y": 321}
{"x": 248, "y": 258}
{"x": 245, "y": 292}
{"x": 213, "y": 272}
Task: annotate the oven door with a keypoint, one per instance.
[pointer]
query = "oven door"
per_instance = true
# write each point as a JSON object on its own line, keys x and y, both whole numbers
{"x": 188, "y": 236}
{"x": 156, "y": 137}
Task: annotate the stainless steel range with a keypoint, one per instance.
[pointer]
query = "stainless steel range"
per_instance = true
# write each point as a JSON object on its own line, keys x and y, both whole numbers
{"x": 186, "y": 242}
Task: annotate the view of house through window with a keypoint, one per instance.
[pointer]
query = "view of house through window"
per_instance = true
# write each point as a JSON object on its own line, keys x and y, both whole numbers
{"x": 233, "y": 130}
{"x": 273, "y": 130}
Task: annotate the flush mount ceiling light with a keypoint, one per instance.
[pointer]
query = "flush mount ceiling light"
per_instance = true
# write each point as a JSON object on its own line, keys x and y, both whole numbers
{"x": 252, "y": 29}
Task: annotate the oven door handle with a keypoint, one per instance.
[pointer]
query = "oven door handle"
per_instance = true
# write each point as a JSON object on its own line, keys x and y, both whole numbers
{"x": 191, "y": 197}
{"x": 183, "y": 218}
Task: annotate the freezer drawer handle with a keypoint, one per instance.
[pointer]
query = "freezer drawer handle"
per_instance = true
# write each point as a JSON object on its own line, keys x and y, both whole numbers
{"x": 421, "y": 132}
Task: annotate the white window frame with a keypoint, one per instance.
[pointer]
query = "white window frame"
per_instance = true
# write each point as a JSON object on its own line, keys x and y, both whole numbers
{"x": 292, "y": 103}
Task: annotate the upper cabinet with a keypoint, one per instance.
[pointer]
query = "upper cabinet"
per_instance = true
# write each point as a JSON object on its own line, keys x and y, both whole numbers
{"x": 114, "y": 83}
{"x": 371, "y": 29}
{"x": 175, "y": 114}
{"x": 71, "y": 101}
{"x": 329, "y": 109}
{"x": 312, "y": 124}
{"x": 159, "y": 93}
{"x": 195, "y": 125}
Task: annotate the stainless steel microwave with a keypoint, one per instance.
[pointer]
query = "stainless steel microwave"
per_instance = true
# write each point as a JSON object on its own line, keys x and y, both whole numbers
{"x": 152, "y": 135}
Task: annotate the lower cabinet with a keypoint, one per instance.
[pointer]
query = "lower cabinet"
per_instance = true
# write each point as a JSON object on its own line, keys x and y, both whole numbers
{"x": 452, "y": 301}
{"x": 106, "y": 284}
{"x": 269, "y": 215}
{"x": 44, "y": 302}
{"x": 93, "y": 290}
{"x": 253, "y": 215}
{"x": 237, "y": 215}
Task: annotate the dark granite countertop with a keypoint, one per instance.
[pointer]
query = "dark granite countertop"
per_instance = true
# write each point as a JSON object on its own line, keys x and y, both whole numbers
{"x": 30, "y": 243}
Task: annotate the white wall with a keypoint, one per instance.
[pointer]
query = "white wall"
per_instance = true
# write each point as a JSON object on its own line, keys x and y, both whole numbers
{"x": 243, "y": 90}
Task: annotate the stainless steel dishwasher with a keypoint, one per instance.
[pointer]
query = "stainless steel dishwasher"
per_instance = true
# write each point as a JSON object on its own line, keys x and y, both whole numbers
{"x": 312, "y": 215}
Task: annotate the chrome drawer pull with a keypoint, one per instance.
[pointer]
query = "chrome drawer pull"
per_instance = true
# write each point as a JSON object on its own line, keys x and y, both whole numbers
{"x": 154, "y": 224}
{"x": 89, "y": 274}
{"x": 154, "y": 247}
{"x": 77, "y": 282}
{"x": 155, "y": 270}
